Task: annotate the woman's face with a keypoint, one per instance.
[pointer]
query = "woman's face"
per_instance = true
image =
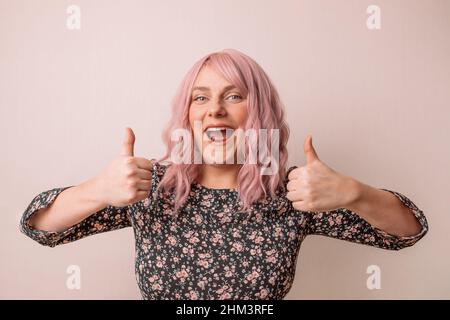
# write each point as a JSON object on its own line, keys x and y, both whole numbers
{"x": 217, "y": 105}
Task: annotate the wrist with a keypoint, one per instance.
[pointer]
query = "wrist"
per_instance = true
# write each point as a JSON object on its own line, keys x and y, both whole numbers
{"x": 93, "y": 189}
{"x": 355, "y": 191}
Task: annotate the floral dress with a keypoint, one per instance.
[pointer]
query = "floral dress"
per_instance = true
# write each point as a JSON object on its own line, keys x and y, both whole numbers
{"x": 213, "y": 250}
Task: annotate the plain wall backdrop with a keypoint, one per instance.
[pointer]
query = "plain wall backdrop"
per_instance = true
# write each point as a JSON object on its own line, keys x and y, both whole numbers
{"x": 375, "y": 101}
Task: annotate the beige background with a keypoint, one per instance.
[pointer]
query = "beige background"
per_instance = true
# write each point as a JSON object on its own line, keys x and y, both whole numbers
{"x": 376, "y": 102}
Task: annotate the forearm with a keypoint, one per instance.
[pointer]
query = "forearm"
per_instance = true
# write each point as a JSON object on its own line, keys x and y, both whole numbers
{"x": 69, "y": 208}
{"x": 383, "y": 210}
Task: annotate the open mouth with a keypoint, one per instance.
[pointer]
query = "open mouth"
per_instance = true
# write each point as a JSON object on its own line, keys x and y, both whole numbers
{"x": 218, "y": 134}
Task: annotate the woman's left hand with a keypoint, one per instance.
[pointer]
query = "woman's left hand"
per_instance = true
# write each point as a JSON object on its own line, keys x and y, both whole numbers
{"x": 317, "y": 187}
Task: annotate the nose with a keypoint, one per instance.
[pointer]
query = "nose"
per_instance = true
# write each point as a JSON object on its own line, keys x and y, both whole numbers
{"x": 216, "y": 110}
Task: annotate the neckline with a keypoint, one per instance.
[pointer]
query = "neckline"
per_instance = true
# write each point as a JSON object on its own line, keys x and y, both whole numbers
{"x": 202, "y": 187}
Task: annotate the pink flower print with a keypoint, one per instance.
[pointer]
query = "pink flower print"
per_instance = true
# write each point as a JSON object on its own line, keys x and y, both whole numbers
{"x": 263, "y": 293}
{"x": 259, "y": 239}
{"x": 271, "y": 256}
{"x": 229, "y": 272}
{"x": 282, "y": 210}
{"x": 194, "y": 240}
{"x": 292, "y": 235}
{"x": 98, "y": 226}
{"x": 217, "y": 238}
{"x": 156, "y": 286}
{"x": 224, "y": 292}
{"x": 203, "y": 263}
{"x": 290, "y": 222}
{"x": 145, "y": 245}
{"x": 160, "y": 261}
{"x": 225, "y": 296}
{"x": 193, "y": 295}
{"x": 171, "y": 240}
{"x": 225, "y": 219}
{"x": 330, "y": 221}
{"x": 198, "y": 219}
{"x": 156, "y": 227}
{"x": 252, "y": 276}
{"x": 277, "y": 231}
{"x": 201, "y": 284}
{"x": 182, "y": 275}
{"x": 237, "y": 246}
{"x": 203, "y": 255}
{"x": 206, "y": 203}
{"x": 204, "y": 260}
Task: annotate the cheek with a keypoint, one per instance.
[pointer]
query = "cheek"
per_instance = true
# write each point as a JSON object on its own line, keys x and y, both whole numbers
{"x": 194, "y": 115}
{"x": 241, "y": 115}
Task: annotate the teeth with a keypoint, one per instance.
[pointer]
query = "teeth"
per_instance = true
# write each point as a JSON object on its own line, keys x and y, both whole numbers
{"x": 219, "y": 133}
{"x": 217, "y": 128}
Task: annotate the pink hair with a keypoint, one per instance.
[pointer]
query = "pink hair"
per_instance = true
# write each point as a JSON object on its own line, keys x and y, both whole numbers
{"x": 265, "y": 111}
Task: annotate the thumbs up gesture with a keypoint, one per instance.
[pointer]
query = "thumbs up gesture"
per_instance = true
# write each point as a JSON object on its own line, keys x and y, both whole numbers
{"x": 317, "y": 187}
{"x": 127, "y": 179}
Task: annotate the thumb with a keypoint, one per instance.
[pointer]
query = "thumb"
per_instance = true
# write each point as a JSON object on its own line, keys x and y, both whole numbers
{"x": 310, "y": 153}
{"x": 128, "y": 143}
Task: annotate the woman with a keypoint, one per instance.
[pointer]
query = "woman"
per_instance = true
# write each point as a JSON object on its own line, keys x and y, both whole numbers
{"x": 221, "y": 229}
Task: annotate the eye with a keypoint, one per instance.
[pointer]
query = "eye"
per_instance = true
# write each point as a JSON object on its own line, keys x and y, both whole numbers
{"x": 196, "y": 99}
{"x": 235, "y": 95}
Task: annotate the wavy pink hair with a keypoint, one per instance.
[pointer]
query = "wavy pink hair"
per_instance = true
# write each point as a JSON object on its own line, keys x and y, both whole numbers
{"x": 265, "y": 111}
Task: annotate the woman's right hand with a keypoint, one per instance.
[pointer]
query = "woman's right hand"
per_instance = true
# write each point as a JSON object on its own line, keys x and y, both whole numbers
{"x": 127, "y": 179}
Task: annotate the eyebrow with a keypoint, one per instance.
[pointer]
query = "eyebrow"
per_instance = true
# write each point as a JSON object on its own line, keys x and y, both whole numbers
{"x": 208, "y": 89}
